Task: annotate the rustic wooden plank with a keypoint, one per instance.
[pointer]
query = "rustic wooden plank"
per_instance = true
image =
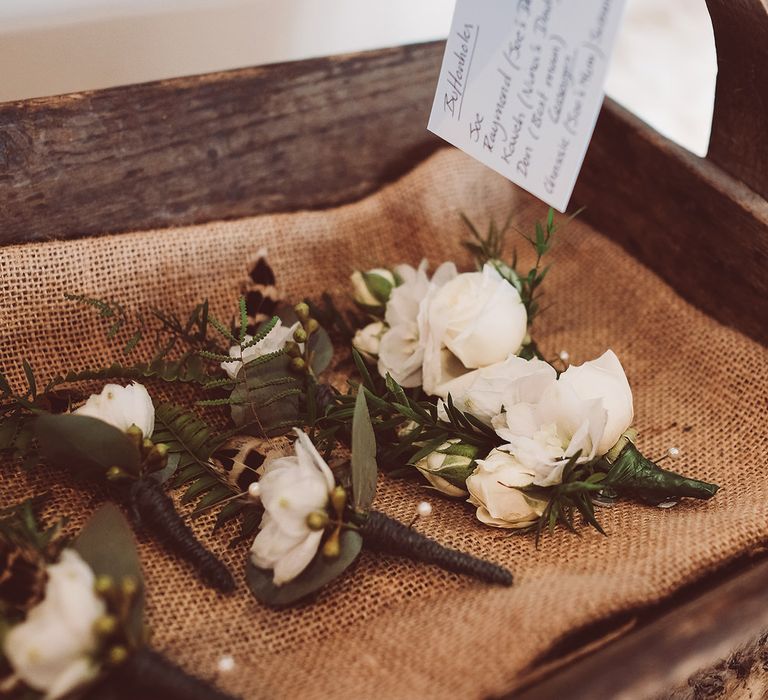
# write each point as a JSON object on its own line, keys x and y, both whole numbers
{"x": 276, "y": 138}
{"x": 665, "y": 653}
{"x": 739, "y": 141}
{"x": 701, "y": 230}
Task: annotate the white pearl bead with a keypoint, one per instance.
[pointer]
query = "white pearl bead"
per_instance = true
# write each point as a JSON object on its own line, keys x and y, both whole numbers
{"x": 424, "y": 509}
{"x": 673, "y": 452}
{"x": 226, "y": 663}
{"x": 254, "y": 491}
{"x": 564, "y": 355}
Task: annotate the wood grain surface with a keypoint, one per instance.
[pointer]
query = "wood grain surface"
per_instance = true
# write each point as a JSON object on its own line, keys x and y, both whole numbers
{"x": 660, "y": 656}
{"x": 698, "y": 228}
{"x": 739, "y": 141}
{"x": 277, "y": 138}
{"x": 322, "y": 132}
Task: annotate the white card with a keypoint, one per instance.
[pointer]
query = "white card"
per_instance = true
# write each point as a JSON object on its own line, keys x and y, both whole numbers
{"x": 522, "y": 84}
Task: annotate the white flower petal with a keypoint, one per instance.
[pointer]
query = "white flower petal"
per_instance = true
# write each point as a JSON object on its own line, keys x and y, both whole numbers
{"x": 50, "y": 650}
{"x": 122, "y": 407}
{"x": 297, "y": 559}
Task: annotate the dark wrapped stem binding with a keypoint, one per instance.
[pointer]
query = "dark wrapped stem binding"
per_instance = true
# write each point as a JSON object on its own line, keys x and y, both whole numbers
{"x": 635, "y": 476}
{"x": 385, "y": 534}
{"x": 155, "y": 511}
{"x": 148, "y": 674}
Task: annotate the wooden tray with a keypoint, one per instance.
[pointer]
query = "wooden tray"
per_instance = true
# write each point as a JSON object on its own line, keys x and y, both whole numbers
{"x": 318, "y": 133}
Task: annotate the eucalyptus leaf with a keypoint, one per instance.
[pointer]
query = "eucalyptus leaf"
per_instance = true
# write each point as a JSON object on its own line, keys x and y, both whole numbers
{"x": 85, "y": 444}
{"x": 319, "y": 572}
{"x": 322, "y": 350}
{"x": 107, "y": 545}
{"x": 169, "y": 469}
{"x": 364, "y": 467}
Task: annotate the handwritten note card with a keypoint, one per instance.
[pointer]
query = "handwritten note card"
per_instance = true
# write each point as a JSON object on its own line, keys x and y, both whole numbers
{"x": 522, "y": 84}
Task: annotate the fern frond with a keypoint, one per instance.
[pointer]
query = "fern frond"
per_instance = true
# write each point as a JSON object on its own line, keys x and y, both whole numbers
{"x": 194, "y": 442}
{"x": 221, "y": 328}
{"x": 217, "y": 356}
{"x": 182, "y": 371}
{"x": 186, "y": 435}
{"x": 118, "y": 317}
{"x": 264, "y": 359}
{"x": 243, "y": 319}
{"x": 262, "y": 333}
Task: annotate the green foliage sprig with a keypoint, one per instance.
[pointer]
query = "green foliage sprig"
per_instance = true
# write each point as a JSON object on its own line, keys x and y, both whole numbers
{"x": 489, "y": 248}
{"x": 19, "y": 526}
{"x": 191, "y": 443}
{"x": 580, "y": 482}
{"x": 406, "y": 428}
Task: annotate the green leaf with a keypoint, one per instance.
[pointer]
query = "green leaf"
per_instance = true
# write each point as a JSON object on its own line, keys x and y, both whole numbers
{"x": 378, "y": 286}
{"x": 322, "y": 350}
{"x": 243, "y": 319}
{"x": 107, "y": 545}
{"x": 30, "y": 378}
{"x": 221, "y": 328}
{"x": 460, "y": 449}
{"x": 5, "y": 387}
{"x": 364, "y": 373}
{"x": 82, "y": 443}
{"x": 395, "y": 389}
{"x": 364, "y": 468}
{"x": 217, "y": 356}
{"x": 319, "y": 572}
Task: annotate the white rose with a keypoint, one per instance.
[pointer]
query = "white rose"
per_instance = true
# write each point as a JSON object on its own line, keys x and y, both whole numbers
{"x": 401, "y": 352}
{"x": 122, "y": 407}
{"x": 604, "y": 379}
{"x": 274, "y": 340}
{"x": 372, "y": 288}
{"x": 475, "y": 320}
{"x": 291, "y": 489}
{"x": 547, "y": 421}
{"x": 50, "y": 651}
{"x": 481, "y": 391}
{"x": 494, "y": 488}
{"x": 449, "y": 466}
{"x": 368, "y": 340}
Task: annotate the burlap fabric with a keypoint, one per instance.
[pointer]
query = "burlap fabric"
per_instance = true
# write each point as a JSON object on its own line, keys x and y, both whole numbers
{"x": 391, "y": 628}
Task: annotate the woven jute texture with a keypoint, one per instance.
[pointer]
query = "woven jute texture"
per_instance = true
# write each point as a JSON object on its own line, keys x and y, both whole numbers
{"x": 390, "y": 628}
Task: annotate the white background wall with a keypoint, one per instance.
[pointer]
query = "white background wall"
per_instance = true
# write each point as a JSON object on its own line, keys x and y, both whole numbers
{"x": 663, "y": 69}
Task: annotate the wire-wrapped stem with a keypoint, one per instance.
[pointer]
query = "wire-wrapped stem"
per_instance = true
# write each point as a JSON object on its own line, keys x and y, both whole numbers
{"x": 148, "y": 674}
{"x": 156, "y": 511}
{"x": 383, "y": 533}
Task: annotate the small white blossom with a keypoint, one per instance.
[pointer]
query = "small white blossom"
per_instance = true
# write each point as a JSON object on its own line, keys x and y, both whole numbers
{"x": 122, "y": 407}
{"x": 447, "y": 467}
{"x": 50, "y": 651}
{"x": 291, "y": 488}
{"x": 373, "y": 288}
{"x": 368, "y": 340}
